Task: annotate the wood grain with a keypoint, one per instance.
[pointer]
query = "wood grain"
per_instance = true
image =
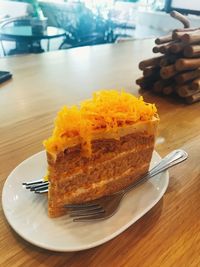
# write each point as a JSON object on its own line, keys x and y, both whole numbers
{"x": 169, "y": 234}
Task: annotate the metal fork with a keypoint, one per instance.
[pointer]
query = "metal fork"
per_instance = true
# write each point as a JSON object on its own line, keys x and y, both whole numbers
{"x": 37, "y": 186}
{"x": 107, "y": 206}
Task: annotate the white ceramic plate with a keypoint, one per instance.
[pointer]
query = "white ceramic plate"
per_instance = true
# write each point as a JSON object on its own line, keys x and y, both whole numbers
{"x": 26, "y": 212}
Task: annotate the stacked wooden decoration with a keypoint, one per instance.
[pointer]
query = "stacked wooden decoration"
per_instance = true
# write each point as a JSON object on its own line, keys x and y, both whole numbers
{"x": 177, "y": 70}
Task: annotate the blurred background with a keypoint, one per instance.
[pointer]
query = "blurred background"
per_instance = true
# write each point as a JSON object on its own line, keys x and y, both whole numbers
{"x": 36, "y": 26}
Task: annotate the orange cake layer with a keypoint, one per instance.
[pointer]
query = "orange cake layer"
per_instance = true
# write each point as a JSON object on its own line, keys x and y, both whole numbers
{"x": 109, "y": 178}
{"x": 99, "y": 148}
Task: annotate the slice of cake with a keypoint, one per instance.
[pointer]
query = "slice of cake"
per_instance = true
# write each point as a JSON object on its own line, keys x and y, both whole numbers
{"x": 99, "y": 148}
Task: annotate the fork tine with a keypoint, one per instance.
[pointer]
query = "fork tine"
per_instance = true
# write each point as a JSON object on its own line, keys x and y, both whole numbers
{"x": 86, "y": 211}
{"x": 96, "y": 217}
{"x": 41, "y": 191}
{"x": 37, "y": 187}
{"x": 33, "y": 182}
{"x": 83, "y": 205}
{"x": 87, "y": 214}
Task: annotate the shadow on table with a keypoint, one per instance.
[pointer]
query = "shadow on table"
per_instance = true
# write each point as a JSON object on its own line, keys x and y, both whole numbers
{"x": 150, "y": 96}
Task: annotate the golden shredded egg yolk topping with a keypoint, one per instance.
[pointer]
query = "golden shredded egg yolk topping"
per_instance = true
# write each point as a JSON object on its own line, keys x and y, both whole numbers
{"x": 106, "y": 111}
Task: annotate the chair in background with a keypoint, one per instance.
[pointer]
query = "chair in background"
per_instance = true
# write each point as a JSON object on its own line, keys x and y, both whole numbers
{"x": 81, "y": 25}
{"x": 22, "y": 46}
{"x": 12, "y": 10}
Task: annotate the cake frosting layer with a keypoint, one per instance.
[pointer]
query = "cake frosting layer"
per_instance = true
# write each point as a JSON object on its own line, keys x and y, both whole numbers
{"x": 109, "y": 114}
{"x": 66, "y": 189}
{"x": 97, "y": 190}
{"x": 72, "y": 161}
{"x": 100, "y": 171}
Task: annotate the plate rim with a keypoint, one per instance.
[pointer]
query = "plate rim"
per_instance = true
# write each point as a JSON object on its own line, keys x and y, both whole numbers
{"x": 81, "y": 247}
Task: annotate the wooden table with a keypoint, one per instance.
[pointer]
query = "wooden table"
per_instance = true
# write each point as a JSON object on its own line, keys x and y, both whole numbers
{"x": 169, "y": 234}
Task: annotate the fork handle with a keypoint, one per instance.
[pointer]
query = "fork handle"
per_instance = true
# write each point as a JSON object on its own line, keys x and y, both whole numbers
{"x": 173, "y": 158}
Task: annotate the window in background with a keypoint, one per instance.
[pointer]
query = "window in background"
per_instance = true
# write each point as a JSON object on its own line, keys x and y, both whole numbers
{"x": 184, "y": 6}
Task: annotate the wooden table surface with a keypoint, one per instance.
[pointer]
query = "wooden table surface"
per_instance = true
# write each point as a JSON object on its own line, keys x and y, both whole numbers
{"x": 169, "y": 234}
